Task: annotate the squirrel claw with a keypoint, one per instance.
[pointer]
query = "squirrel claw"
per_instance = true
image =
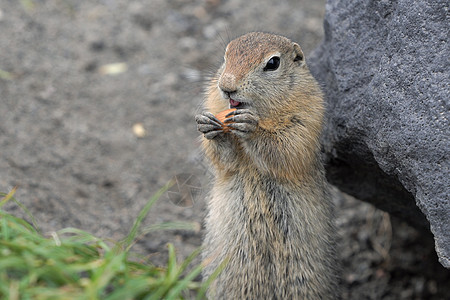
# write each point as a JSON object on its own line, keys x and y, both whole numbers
{"x": 242, "y": 122}
{"x": 212, "y": 134}
{"x": 244, "y": 118}
{"x": 208, "y": 118}
{"x": 208, "y": 124}
{"x": 242, "y": 130}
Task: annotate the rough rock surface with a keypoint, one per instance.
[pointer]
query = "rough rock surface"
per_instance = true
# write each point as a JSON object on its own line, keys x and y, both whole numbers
{"x": 385, "y": 68}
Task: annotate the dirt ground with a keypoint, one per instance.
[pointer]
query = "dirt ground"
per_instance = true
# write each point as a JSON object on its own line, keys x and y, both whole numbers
{"x": 97, "y": 100}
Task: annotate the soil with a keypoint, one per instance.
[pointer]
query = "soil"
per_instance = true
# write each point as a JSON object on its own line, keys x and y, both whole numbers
{"x": 97, "y": 113}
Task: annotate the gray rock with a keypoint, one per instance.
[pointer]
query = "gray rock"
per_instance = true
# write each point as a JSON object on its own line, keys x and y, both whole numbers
{"x": 384, "y": 66}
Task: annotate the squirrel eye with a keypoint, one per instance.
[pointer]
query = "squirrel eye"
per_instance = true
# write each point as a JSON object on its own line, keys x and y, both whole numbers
{"x": 272, "y": 64}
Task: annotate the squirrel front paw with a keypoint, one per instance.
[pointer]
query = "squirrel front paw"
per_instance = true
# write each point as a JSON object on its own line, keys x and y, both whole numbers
{"x": 209, "y": 125}
{"x": 242, "y": 122}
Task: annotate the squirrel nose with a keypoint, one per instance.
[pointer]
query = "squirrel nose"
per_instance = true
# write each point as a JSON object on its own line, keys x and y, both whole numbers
{"x": 227, "y": 83}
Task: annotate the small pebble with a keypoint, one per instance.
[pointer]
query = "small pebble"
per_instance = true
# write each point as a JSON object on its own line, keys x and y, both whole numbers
{"x": 113, "y": 69}
{"x": 139, "y": 130}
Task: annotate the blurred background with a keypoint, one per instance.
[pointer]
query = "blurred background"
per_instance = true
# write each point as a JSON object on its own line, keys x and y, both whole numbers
{"x": 97, "y": 105}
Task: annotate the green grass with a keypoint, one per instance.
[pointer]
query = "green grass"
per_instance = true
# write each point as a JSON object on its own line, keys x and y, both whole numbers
{"x": 6, "y": 75}
{"x": 74, "y": 264}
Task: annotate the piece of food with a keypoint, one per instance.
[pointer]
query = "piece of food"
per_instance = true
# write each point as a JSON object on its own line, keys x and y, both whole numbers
{"x": 222, "y": 116}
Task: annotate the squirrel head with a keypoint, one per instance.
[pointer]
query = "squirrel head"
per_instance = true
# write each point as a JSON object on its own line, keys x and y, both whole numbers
{"x": 263, "y": 72}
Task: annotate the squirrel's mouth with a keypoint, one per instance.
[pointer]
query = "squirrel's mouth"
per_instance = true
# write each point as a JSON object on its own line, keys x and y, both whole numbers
{"x": 235, "y": 104}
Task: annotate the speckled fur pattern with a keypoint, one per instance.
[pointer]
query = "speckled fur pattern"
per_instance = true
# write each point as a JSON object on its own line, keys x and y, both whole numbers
{"x": 269, "y": 212}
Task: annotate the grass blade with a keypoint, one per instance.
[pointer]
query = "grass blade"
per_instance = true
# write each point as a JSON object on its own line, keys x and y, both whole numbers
{"x": 10, "y": 196}
{"x": 128, "y": 242}
{"x": 212, "y": 277}
{"x": 7, "y": 197}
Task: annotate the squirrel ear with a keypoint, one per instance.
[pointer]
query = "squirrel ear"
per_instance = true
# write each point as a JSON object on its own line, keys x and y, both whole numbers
{"x": 299, "y": 57}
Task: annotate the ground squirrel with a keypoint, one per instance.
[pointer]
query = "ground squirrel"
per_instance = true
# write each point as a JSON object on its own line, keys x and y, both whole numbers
{"x": 270, "y": 211}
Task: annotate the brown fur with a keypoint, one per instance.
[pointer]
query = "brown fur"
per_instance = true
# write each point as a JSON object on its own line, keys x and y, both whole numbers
{"x": 270, "y": 212}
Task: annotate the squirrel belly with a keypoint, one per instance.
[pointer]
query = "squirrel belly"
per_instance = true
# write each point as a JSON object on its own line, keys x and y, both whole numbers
{"x": 277, "y": 243}
{"x": 270, "y": 214}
